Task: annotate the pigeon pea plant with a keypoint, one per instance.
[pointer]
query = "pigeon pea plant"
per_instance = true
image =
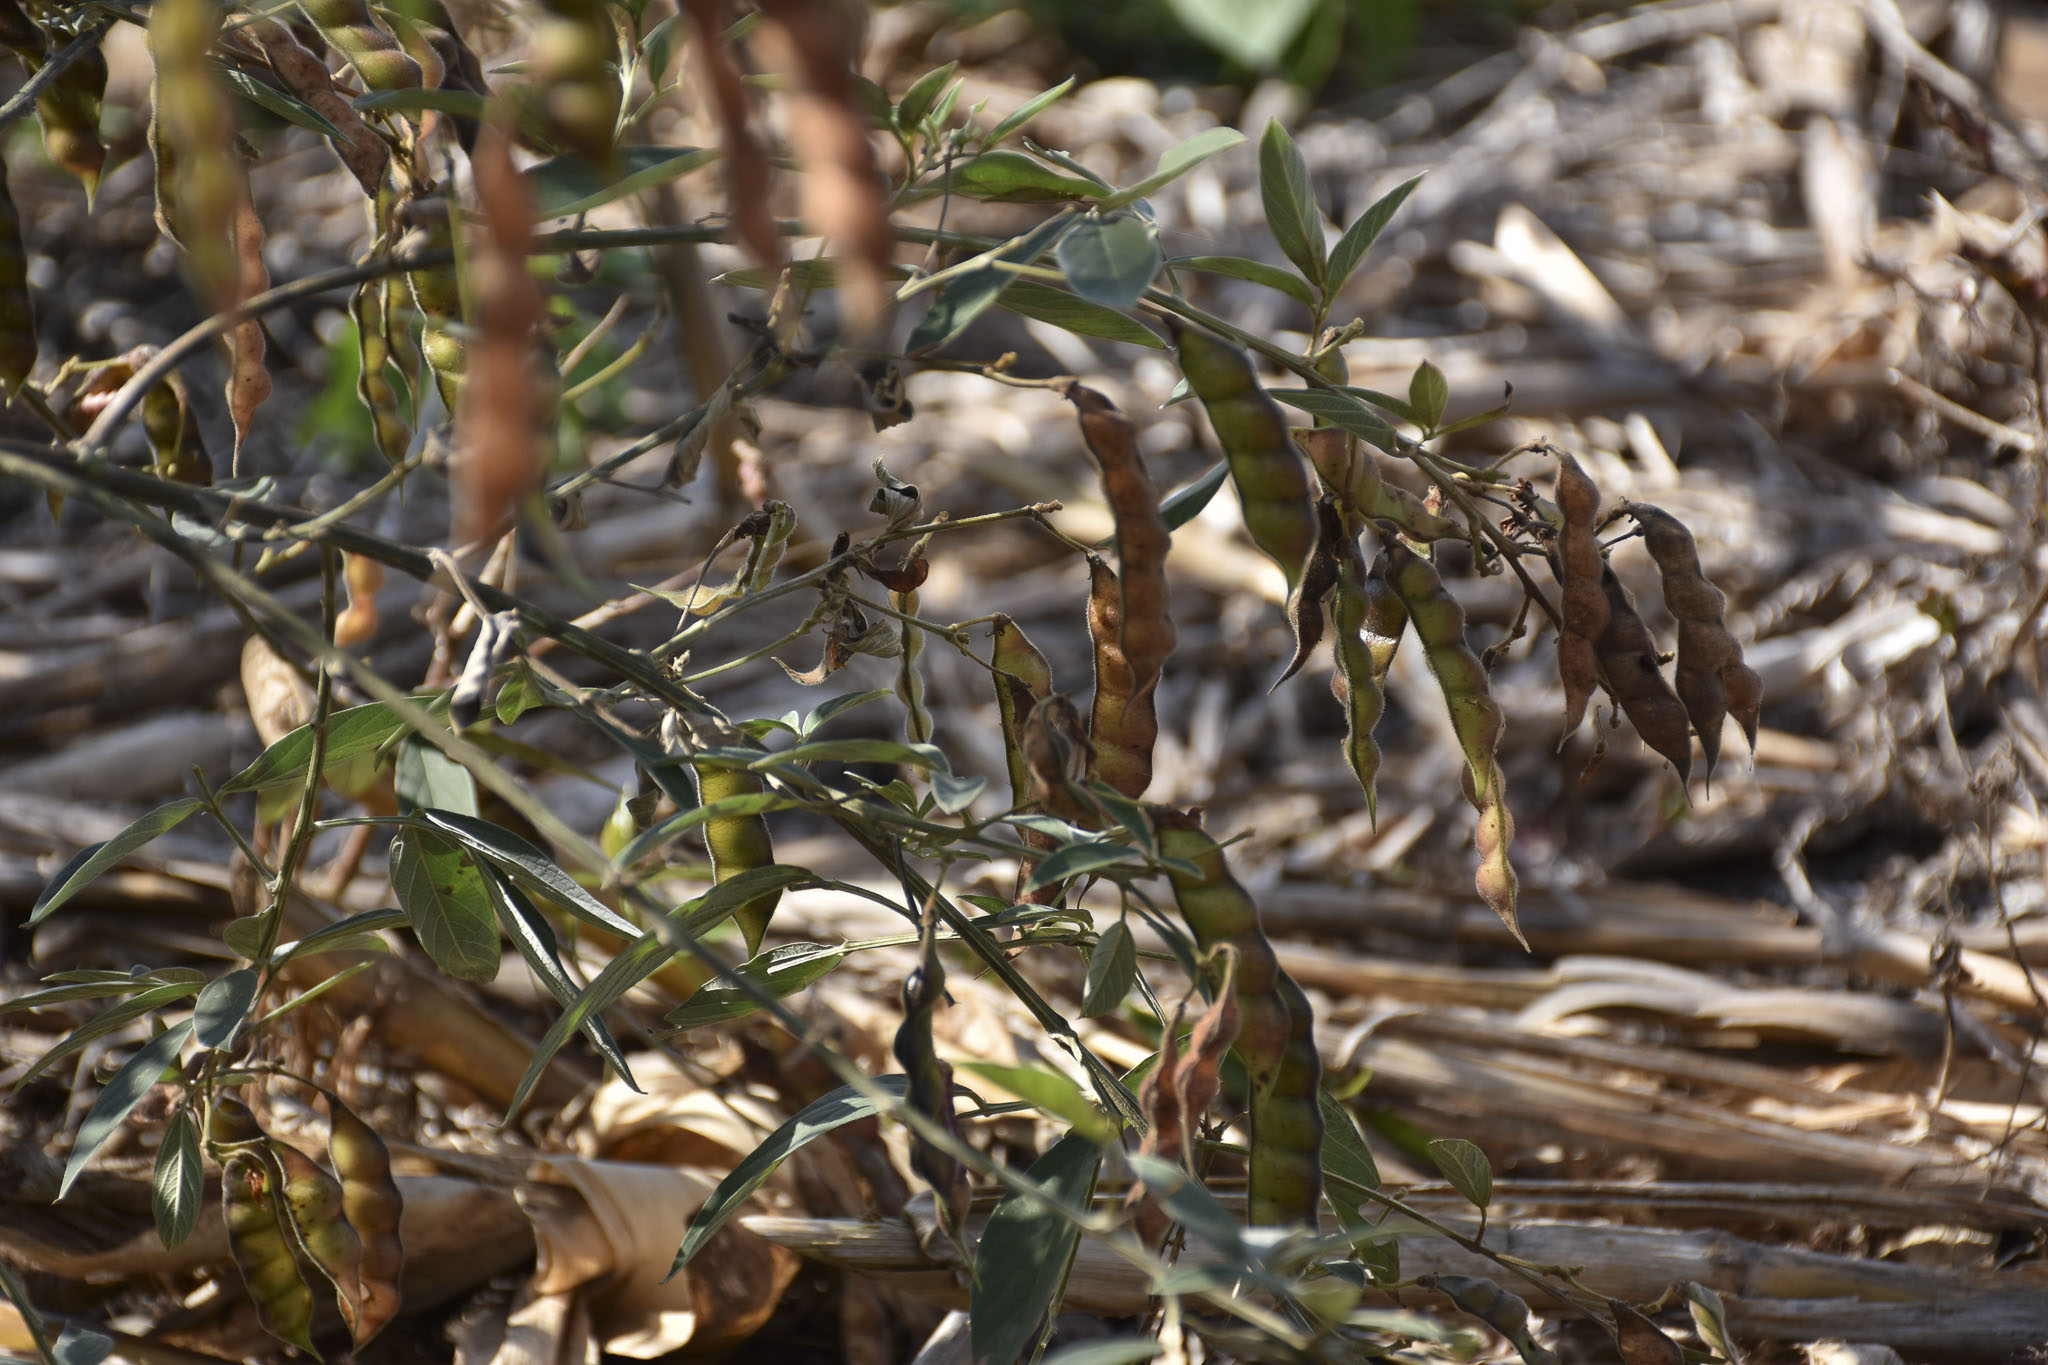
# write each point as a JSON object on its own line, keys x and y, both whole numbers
{"x": 448, "y": 320}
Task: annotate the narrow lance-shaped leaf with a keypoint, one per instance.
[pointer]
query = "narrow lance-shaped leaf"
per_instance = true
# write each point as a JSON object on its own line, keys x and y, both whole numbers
{"x": 1359, "y": 237}
{"x": 119, "y": 1098}
{"x": 1288, "y": 194}
{"x": 178, "y": 1188}
{"x": 88, "y": 863}
{"x": 1026, "y": 1250}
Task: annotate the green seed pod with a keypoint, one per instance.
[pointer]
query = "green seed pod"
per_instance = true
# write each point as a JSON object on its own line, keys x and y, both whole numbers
{"x": 917, "y": 718}
{"x": 17, "y": 305}
{"x": 1440, "y": 626}
{"x": 1275, "y": 1039}
{"x": 371, "y": 1203}
{"x": 438, "y": 295}
{"x": 1357, "y": 682}
{"x": 353, "y": 31}
{"x": 69, "y": 111}
{"x": 229, "y": 1124}
{"x": 173, "y": 435}
{"x": 574, "y": 54}
{"x": 1272, "y": 482}
{"x": 373, "y": 379}
{"x": 737, "y": 843}
{"x": 1351, "y": 474}
{"x": 263, "y": 1250}
{"x": 313, "y": 1210}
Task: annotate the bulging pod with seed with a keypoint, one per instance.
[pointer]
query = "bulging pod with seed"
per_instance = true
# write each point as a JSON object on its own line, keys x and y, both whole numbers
{"x": 373, "y": 1207}
{"x": 1475, "y": 716}
{"x": 312, "y": 1202}
{"x": 353, "y": 30}
{"x": 1266, "y": 468}
{"x": 1352, "y": 475}
{"x": 573, "y": 56}
{"x": 737, "y": 843}
{"x": 1579, "y": 566}
{"x": 262, "y": 1245}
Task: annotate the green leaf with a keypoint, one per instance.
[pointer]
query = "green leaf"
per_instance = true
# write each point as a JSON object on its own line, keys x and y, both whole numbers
{"x": 1187, "y": 1201}
{"x": 714, "y": 907}
{"x": 496, "y": 844}
{"x": 1477, "y": 419}
{"x": 1025, "y": 1252}
{"x": 1116, "y": 1351}
{"x": 178, "y": 1189}
{"x": 1112, "y": 971}
{"x": 1111, "y": 260}
{"x": 1253, "y": 36}
{"x": 1177, "y": 162}
{"x": 954, "y": 794}
{"x": 534, "y": 937}
{"x": 926, "y": 757}
{"x": 1183, "y": 505}
{"x": 343, "y": 935}
{"x": 120, "y": 1097}
{"x": 218, "y": 1013}
{"x": 835, "y": 706}
{"x": 569, "y": 184}
{"x": 779, "y": 972}
{"x": 1029, "y": 298}
{"x": 1427, "y": 394}
{"x": 1387, "y": 401}
{"x": 922, "y": 95}
{"x": 1053, "y": 1092}
{"x": 88, "y": 863}
{"x": 626, "y": 970}
{"x": 967, "y": 295}
{"x": 84, "y": 990}
{"x": 658, "y": 49}
{"x": 1341, "y": 410}
{"x": 1290, "y": 201}
{"x": 808, "y": 274}
{"x": 746, "y": 803}
{"x": 291, "y": 109}
{"x": 1466, "y": 1167}
{"x": 1349, "y": 1172}
{"x": 520, "y": 694}
{"x": 444, "y": 899}
{"x": 465, "y": 104}
{"x": 350, "y": 734}
{"x": 1359, "y": 237}
{"x": 1015, "y": 178}
{"x": 426, "y": 777}
{"x": 1028, "y": 111}
{"x": 1078, "y": 859}
{"x": 102, "y": 1024}
{"x": 1257, "y": 272}
{"x": 843, "y": 1106}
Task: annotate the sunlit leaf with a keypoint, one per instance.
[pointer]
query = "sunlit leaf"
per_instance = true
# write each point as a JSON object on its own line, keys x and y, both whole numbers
{"x": 88, "y": 863}
{"x": 1359, "y": 237}
{"x": 119, "y": 1098}
{"x": 1288, "y": 195}
{"x": 1111, "y": 260}
{"x": 779, "y": 972}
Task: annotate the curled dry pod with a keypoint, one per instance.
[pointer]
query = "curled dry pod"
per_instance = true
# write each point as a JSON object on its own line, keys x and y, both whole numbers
{"x": 1712, "y": 678}
{"x": 1057, "y": 758}
{"x": 263, "y": 1250}
{"x": 1265, "y": 466}
{"x": 1351, "y": 474}
{"x": 930, "y": 1089}
{"x": 17, "y": 306}
{"x": 371, "y": 1203}
{"x": 737, "y": 843}
{"x": 1178, "y": 1092}
{"x": 353, "y": 31}
{"x": 363, "y": 152}
{"x": 1274, "y": 1020}
{"x": 1128, "y": 611}
{"x": 1022, "y": 679}
{"x": 1579, "y": 566}
{"x": 1628, "y": 661}
{"x": 313, "y": 1207}
{"x": 69, "y": 111}
{"x": 1305, "y": 608}
{"x": 1440, "y": 625}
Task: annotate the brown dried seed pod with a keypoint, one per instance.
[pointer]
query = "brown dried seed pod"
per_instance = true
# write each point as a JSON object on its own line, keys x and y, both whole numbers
{"x": 1628, "y": 662}
{"x": 1578, "y": 565}
{"x": 373, "y": 1207}
{"x": 306, "y": 76}
{"x": 1178, "y": 1092}
{"x": 1128, "y": 615}
{"x": 1712, "y": 677}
